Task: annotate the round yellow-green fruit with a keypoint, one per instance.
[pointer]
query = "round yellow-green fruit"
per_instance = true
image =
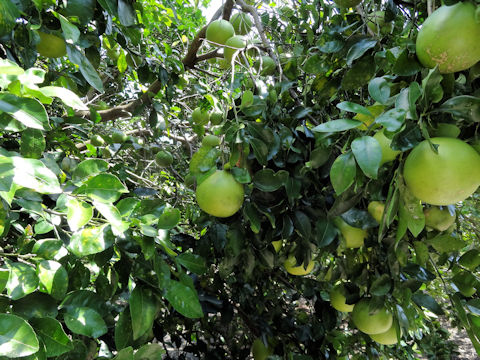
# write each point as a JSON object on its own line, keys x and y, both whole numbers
{"x": 337, "y": 299}
{"x": 354, "y": 237}
{"x": 97, "y": 140}
{"x": 200, "y": 116}
{"x": 219, "y": 31}
{"x": 376, "y": 209}
{"x": 292, "y": 268}
{"x": 119, "y": 137}
{"x": 260, "y": 351}
{"x": 216, "y": 117}
{"x": 241, "y": 22}
{"x": 438, "y": 219}
{"x": 443, "y": 178}
{"x": 51, "y": 46}
{"x": 232, "y": 45}
{"x": 220, "y": 194}
{"x": 371, "y": 322}
{"x": 268, "y": 66}
{"x": 389, "y": 337}
{"x": 164, "y": 158}
{"x": 449, "y": 38}
{"x": 211, "y": 141}
{"x": 388, "y": 154}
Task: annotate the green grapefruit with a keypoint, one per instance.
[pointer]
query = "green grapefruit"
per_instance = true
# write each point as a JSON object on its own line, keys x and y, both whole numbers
{"x": 347, "y": 3}
{"x": 119, "y": 137}
{"x": 241, "y": 22}
{"x": 219, "y": 31}
{"x": 376, "y": 209}
{"x": 292, "y": 268}
{"x": 164, "y": 158}
{"x": 389, "y": 337}
{"x": 220, "y": 194}
{"x": 216, "y": 117}
{"x": 445, "y": 178}
{"x": 438, "y": 219}
{"x": 97, "y": 140}
{"x": 260, "y": 351}
{"x": 371, "y": 322}
{"x": 51, "y": 46}
{"x": 200, "y": 116}
{"x": 337, "y": 299}
{"x": 449, "y": 38}
{"x": 354, "y": 237}
{"x": 232, "y": 45}
{"x": 268, "y": 66}
{"x": 211, "y": 141}
{"x": 388, "y": 154}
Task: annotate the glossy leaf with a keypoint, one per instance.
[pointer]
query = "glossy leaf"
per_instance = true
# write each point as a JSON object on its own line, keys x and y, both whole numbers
{"x": 183, "y": 299}
{"x": 85, "y": 321}
{"x": 379, "y": 90}
{"x": 193, "y": 262}
{"x": 88, "y": 168}
{"x": 53, "y": 278}
{"x": 142, "y": 310}
{"x": 343, "y": 172}
{"x": 368, "y": 154}
{"x": 79, "y": 213}
{"x": 105, "y": 188}
{"x": 90, "y": 241}
{"x": 22, "y": 281}
{"x": 29, "y": 112}
{"x": 53, "y": 336}
{"x": 337, "y": 125}
{"x": 267, "y": 180}
{"x": 17, "y": 337}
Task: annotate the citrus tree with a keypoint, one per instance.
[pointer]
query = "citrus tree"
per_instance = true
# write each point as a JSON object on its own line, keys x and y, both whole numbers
{"x": 300, "y": 182}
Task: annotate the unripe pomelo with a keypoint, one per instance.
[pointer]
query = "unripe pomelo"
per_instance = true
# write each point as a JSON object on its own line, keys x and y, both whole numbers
{"x": 354, "y": 237}
{"x": 119, "y": 137}
{"x": 445, "y": 178}
{"x": 388, "y": 154}
{"x": 241, "y": 22}
{"x": 231, "y": 46}
{"x": 219, "y": 31}
{"x": 376, "y": 209}
{"x": 292, "y": 268}
{"x": 449, "y": 38}
{"x": 337, "y": 299}
{"x": 51, "y": 46}
{"x": 216, "y": 117}
{"x": 220, "y": 194}
{"x": 371, "y": 322}
{"x": 387, "y": 338}
{"x": 277, "y": 245}
{"x": 268, "y": 66}
{"x": 97, "y": 140}
{"x": 438, "y": 219}
{"x": 210, "y": 141}
{"x": 200, "y": 116}
{"x": 259, "y": 350}
{"x": 164, "y": 158}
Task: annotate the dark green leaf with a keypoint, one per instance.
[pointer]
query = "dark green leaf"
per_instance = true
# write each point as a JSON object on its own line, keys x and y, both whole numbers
{"x": 17, "y": 337}
{"x": 352, "y": 107}
{"x": 392, "y": 119}
{"x": 343, "y": 171}
{"x": 86, "y": 68}
{"x": 91, "y": 241}
{"x": 464, "y": 107}
{"x": 85, "y": 321}
{"x": 169, "y": 218}
{"x": 53, "y": 278}
{"x": 183, "y": 299}
{"x": 368, "y": 154}
{"x": 379, "y": 90}
{"x": 22, "y": 281}
{"x": 88, "y": 168}
{"x": 381, "y": 285}
{"x": 33, "y": 143}
{"x": 193, "y": 262}
{"x": 267, "y": 180}
{"x": 143, "y": 308}
{"x": 406, "y": 64}
{"x": 105, "y": 188}
{"x": 428, "y": 302}
{"x": 53, "y": 336}
{"x": 446, "y": 243}
{"x": 358, "y": 49}
{"x": 126, "y": 13}
{"x": 337, "y": 125}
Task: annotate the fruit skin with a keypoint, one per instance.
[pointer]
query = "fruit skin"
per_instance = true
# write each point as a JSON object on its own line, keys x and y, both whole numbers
{"x": 200, "y": 116}
{"x": 438, "y": 219}
{"x": 211, "y": 141}
{"x": 291, "y": 266}
{"x": 231, "y": 46}
{"x": 119, "y": 137}
{"x": 241, "y": 22}
{"x": 216, "y": 118}
{"x": 449, "y": 38}
{"x": 376, "y": 209}
{"x": 371, "y": 323}
{"x": 220, "y": 194}
{"x": 268, "y": 66}
{"x": 388, "y": 154}
{"x": 347, "y": 3}
{"x": 51, "y": 46}
{"x": 445, "y": 178}
{"x": 97, "y": 140}
{"x": 387, "y": 338}
{"x": 354, "y": 237}
{"x": 260, "y": 351}
{"x": 219, "y": 31}
{"x": 164, "y": 158}
{"x": 337, "y": 299}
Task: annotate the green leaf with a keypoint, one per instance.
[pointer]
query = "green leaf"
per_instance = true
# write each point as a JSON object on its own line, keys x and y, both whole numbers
{"x": 355, "y": 108}
{"x": 428, "y": 302}
{"x": 169, "y": 218}
{"x": 337, "y": 125}
{"x": 359, "y": 75}
{"x": 53, "y": 278}
{"x": 411, "y": 212}
{"x": 314, "y": 65}
{"x": 125, "y": 354}
{"x": 79, "y": 213}
{"x": 86, "y": 68}
{"x": 22, "y": 281}
{"x": 247, "y": 99}
{"x": 52, "y": 335}
{"x": 251, "y": 214}
{"x": 446, "y": 243}
{"x": 36, "y": 305}
{"x": 30, "y": 112}
{"x": 68, "y": 97}
{"x": 260, "y": 150}
{"x": 4, "y": 275}
{"x": 381, "y": 285}
{"x": 17, "y": 338}
{"x": 267, "y": 180}
{"x": 325, "y": 232}
{"x": 47, "y": 248}
{"x": 368, "y": 154}
{"x": 379, "y": 90}
{"x": 85, "y": 321}
{"x": 105, "y": 188}
{"x": 8, "y": 67}
{"x": 70, "y": 31}
{"x": 91, "y": 241}
{"x": 127, "y": 205}
{"x": 88, "y": 168}
{"x": 123, "y": 329}
{"x": 463, "y": 107}
{"x": 33, "y": 143}
{"x": 406, "y": 64}
{"x": 392, "y": 119}
{"x": 342, "y": 172}
{"x": 149, "y": 352}
{"x": 143, "y": 308}
{"x": 358, "y": 49}
{"x": 113, "y": 217}
{"x": 183, "y": 299}
{"x": 302, "y": 224}
{"x": 126, "y": 13}
{"x": 193, "y": 262}
{"x": 471, "y": 259}
{"x": 432, "y": 89}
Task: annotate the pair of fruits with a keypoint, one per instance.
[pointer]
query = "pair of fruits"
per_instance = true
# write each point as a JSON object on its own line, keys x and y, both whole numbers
{"x": 202, "y": 117}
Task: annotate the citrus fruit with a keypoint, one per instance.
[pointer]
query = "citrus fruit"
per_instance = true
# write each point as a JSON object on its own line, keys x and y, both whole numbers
{"x": 476, "y": 145}
{"x": 445, "y": 178}
{"x": 354, "y": 237}
{"x": 277, "y": 245}
{"x": 371, "y": 322}
{"x": 367, "y": 120}
{"x": 231, "y": 46}
{"x": 219, "y": 31}
{"x": 211, "y": 141}
{"x": 337, "y": 299}
{"x": 268, "y": 66}
{"x": 105, "y": 152}
{"x": 119, "y": 137}
{"x": 389, "y": 337}
{"x": 292, "y": 268}
{"x": 260, "y": 351}
{"x": 446, "y": 130}
{"x": 51, "y": 46}
{"x": 97, "y": 140}
{"x": 347, "y": 3}
{"x": 68, "y": 164}
{"x": 438, "y": 219}
{"x": 200, "y": 116}
{"x": 216, "y": 117}
{"x": 449, "y": 38}
{"x": 376, "y": 209}
{"x": 388, "y": 154}
{"x": 241, "y": 22}
{"x": 220, "y": 194}
{"x": 164, "y": 158}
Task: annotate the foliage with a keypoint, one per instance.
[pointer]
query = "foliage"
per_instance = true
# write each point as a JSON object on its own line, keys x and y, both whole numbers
{"x": 105, "y": 252}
